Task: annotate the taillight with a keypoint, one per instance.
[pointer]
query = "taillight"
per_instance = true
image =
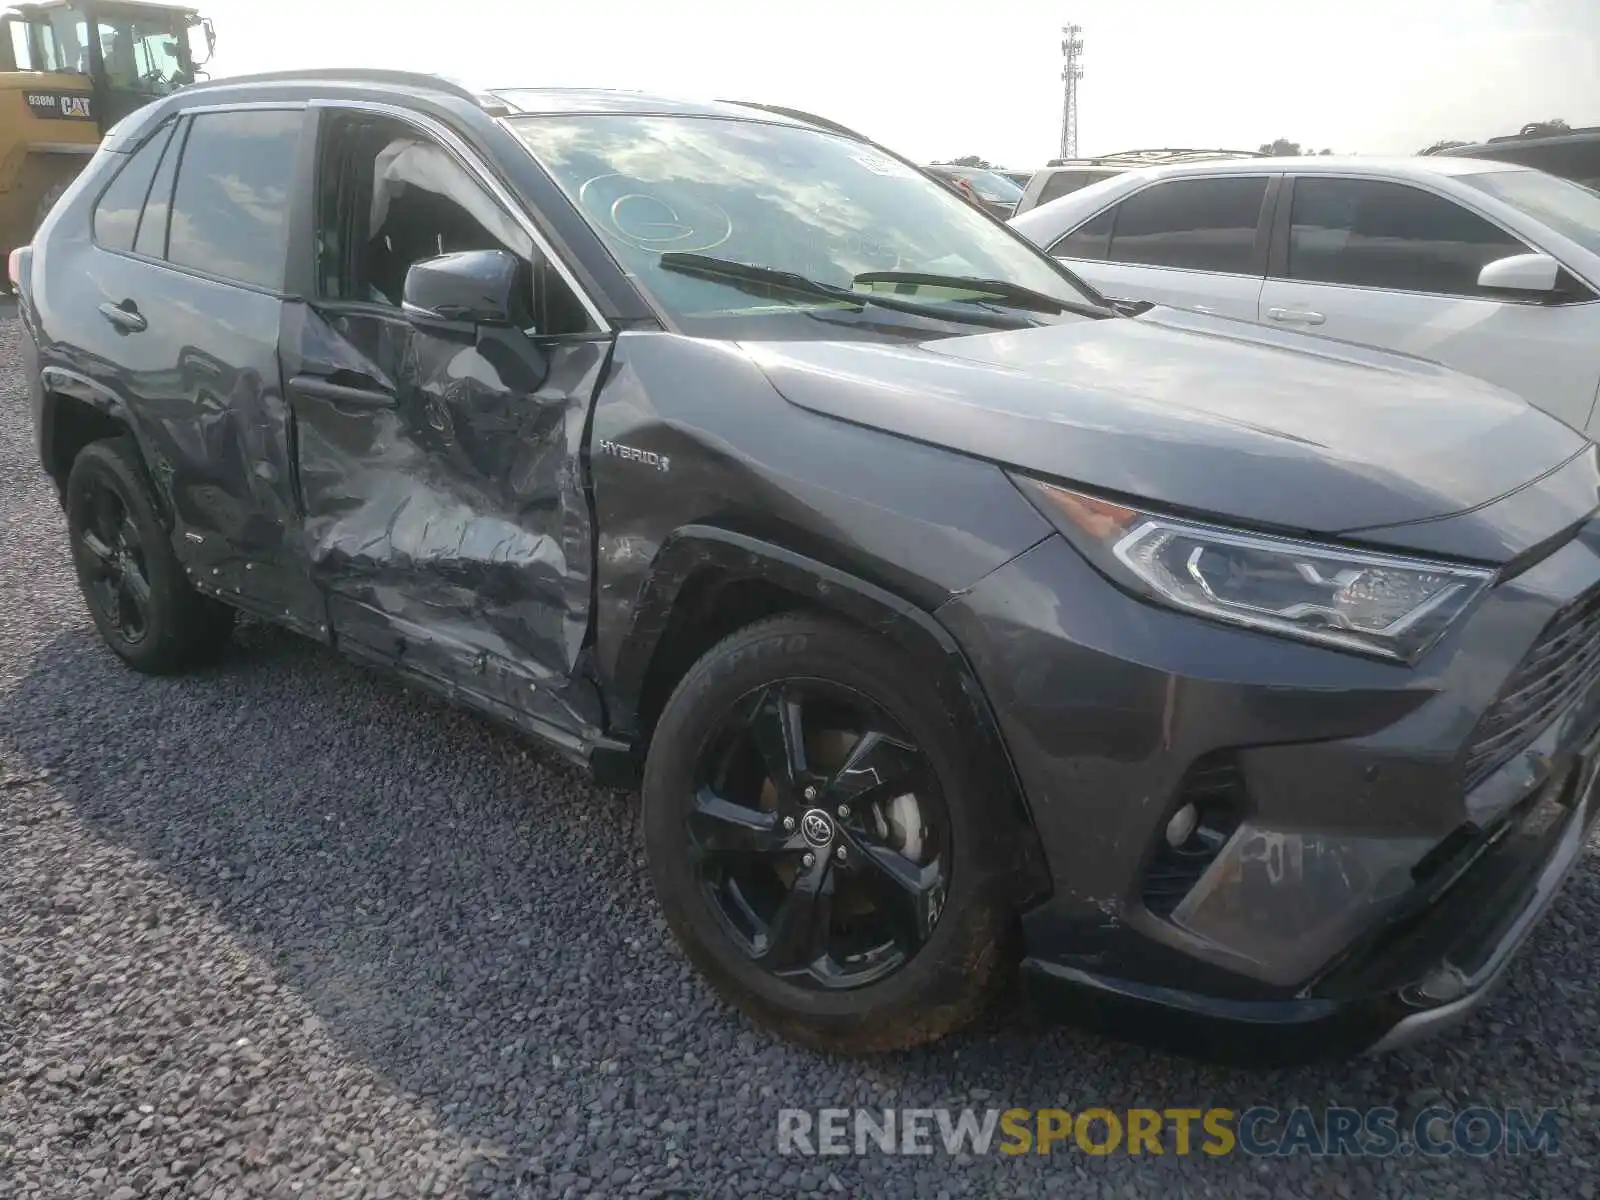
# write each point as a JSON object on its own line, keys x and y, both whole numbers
{"x": 14, "y": 266}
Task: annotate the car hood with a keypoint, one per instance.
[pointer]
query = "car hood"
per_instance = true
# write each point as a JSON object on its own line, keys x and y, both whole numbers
{"x": 1198, "y": 413}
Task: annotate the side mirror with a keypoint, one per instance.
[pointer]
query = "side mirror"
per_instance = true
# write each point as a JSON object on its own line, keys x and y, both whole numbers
{"x": 470, "y": 287}
{"x": 1526, "y": 273}
{"x": 208, "y": 34}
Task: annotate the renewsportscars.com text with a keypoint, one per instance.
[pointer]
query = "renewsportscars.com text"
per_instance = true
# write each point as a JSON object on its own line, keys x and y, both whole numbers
{"x": 1260, "y": 1131}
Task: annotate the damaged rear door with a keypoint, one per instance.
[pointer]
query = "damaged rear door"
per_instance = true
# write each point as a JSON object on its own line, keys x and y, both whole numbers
{"x": 446, "y": 508}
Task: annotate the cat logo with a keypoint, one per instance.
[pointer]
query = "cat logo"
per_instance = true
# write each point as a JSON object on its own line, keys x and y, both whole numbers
{"x": 60, "y": 106}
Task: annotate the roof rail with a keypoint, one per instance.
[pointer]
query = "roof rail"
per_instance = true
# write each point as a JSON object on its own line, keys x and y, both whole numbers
{"x": 415, "y": 79}
{"x": 1540, "y": 130}
{"x": 799, "y": 114}
{"x": 1152, "y": 157}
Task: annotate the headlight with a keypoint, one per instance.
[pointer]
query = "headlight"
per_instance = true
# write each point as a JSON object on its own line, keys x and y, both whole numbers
{"x": 1376, "y": 604}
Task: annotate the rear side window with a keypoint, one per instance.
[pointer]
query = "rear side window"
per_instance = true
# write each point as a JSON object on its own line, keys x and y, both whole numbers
{"x": 1061, "y": 183}
{"x": 1196, "y": 224}
{"x": 1376, "y": 234}
{"x": 1087, "y": 240}
{"x": 230, "y": 209}
{"x": 1577, "y": 160}
{"x": 116, "y": 216}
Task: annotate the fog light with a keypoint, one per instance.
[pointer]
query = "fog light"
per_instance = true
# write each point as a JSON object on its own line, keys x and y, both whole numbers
{"x": 1182, "y": 825}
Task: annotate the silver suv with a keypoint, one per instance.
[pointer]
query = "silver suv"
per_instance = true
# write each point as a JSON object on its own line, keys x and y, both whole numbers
{"x": 1063, "y": 176}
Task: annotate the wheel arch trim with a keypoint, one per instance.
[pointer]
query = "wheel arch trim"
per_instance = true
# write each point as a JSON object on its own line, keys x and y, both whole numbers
{"x": 57, "y": 381}
{"x": 694, "y": 550}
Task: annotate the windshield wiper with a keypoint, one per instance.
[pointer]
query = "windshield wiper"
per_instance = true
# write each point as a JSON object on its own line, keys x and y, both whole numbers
{"x": 1002, "y": 289}
{"x": 727, "y": 270}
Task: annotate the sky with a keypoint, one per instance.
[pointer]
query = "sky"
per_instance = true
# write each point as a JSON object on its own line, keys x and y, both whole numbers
{"x": 935, "y": 80}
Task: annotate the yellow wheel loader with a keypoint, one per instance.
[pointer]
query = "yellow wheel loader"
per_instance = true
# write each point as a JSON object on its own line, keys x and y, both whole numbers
{"x": 69, "y": 70}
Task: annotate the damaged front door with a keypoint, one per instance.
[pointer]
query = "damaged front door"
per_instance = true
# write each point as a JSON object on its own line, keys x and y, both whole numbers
{"x": 446, "y": 513}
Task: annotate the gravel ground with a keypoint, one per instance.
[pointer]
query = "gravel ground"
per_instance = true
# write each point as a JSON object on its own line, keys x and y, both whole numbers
{"x": 285, "y": 929}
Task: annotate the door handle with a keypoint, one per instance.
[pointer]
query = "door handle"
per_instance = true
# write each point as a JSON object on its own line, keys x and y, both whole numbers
{"x": 1295, "y": 316}
{"x": 366, "y": 394}
{"x": 125, "y": 317}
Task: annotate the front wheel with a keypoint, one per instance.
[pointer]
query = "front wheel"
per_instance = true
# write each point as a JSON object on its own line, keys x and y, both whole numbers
{"x": 814, "y": 841}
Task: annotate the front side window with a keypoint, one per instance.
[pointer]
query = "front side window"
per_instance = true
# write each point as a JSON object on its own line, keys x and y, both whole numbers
{"x": 230, "y": 208}
{"x": 1194, "y": 224}
{"x": 1376, "y": 234}
{"x": 144, "y": 55}
{"x": 1089, "y": 239}
{"x": 116, "y": 215}
{"x": 390, "y": 197}
{"x": 792, "y": 199}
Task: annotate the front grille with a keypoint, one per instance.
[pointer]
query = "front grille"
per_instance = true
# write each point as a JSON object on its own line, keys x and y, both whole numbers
{"x": 1563, "y": 664}
{"x": 1215, "y": 786}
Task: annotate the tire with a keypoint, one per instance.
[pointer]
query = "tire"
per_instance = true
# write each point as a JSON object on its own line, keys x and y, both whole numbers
{"x": 713, "y": 866}
{"x": 132, "y": 582}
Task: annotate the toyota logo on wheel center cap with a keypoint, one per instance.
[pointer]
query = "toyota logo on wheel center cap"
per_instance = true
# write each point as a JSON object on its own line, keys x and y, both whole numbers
{"x": 817, "y": 827}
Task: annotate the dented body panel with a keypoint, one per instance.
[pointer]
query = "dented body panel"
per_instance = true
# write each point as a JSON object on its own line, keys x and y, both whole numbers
{"x": 446, "y": 517}
{"x": 740, "y": 457}
{"x": 200, "y": 390}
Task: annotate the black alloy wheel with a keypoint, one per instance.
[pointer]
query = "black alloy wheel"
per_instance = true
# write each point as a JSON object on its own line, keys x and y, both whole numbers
{"x": 819, "y": 835}
{"x": 112, "y": 564}
{"x": 135, "y": 587}
{"x": 824, "y": 838}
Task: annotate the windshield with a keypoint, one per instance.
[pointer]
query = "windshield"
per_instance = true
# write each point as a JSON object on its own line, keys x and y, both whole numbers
{"x": 144, "y": 53}
{"x": 777, "y": 196}
{"x": 1571, "y": 209}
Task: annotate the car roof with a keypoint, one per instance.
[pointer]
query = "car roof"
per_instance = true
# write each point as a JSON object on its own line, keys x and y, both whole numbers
{"x": 25, "y": 6}
{"x": 437, "y": 90}
{"x": 517, "y": 101}
{"x": 548, "y": 101}
{"x": 1538, "y": 137}
{"x": 1402, "y": 166}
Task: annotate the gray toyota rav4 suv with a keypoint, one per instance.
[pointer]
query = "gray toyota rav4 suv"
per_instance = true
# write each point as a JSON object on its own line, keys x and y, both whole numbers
{"x": 1241, "y": 684}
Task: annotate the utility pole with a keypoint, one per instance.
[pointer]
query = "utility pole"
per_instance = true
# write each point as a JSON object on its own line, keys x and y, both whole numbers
{"x": 1071, "y": 72}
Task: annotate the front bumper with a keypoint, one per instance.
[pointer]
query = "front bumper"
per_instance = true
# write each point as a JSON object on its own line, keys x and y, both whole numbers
{"x": 1363, "y": 890}
{"x": 1444, "y": 991}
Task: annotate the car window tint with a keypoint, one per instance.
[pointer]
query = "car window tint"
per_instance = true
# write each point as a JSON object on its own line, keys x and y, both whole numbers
{"x": 1062, "y": 183}
{"x": 1087, "y": 240}
{"x": 1377, "y": 234}
{"x": 1577, "y": 160}
{"x": 231, "y": 207}
{"x": 1198, "y": 224}
{"x": 393, "y": 198}
{"x": 152, "y": 239}
{"x": 116, "y": 216}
